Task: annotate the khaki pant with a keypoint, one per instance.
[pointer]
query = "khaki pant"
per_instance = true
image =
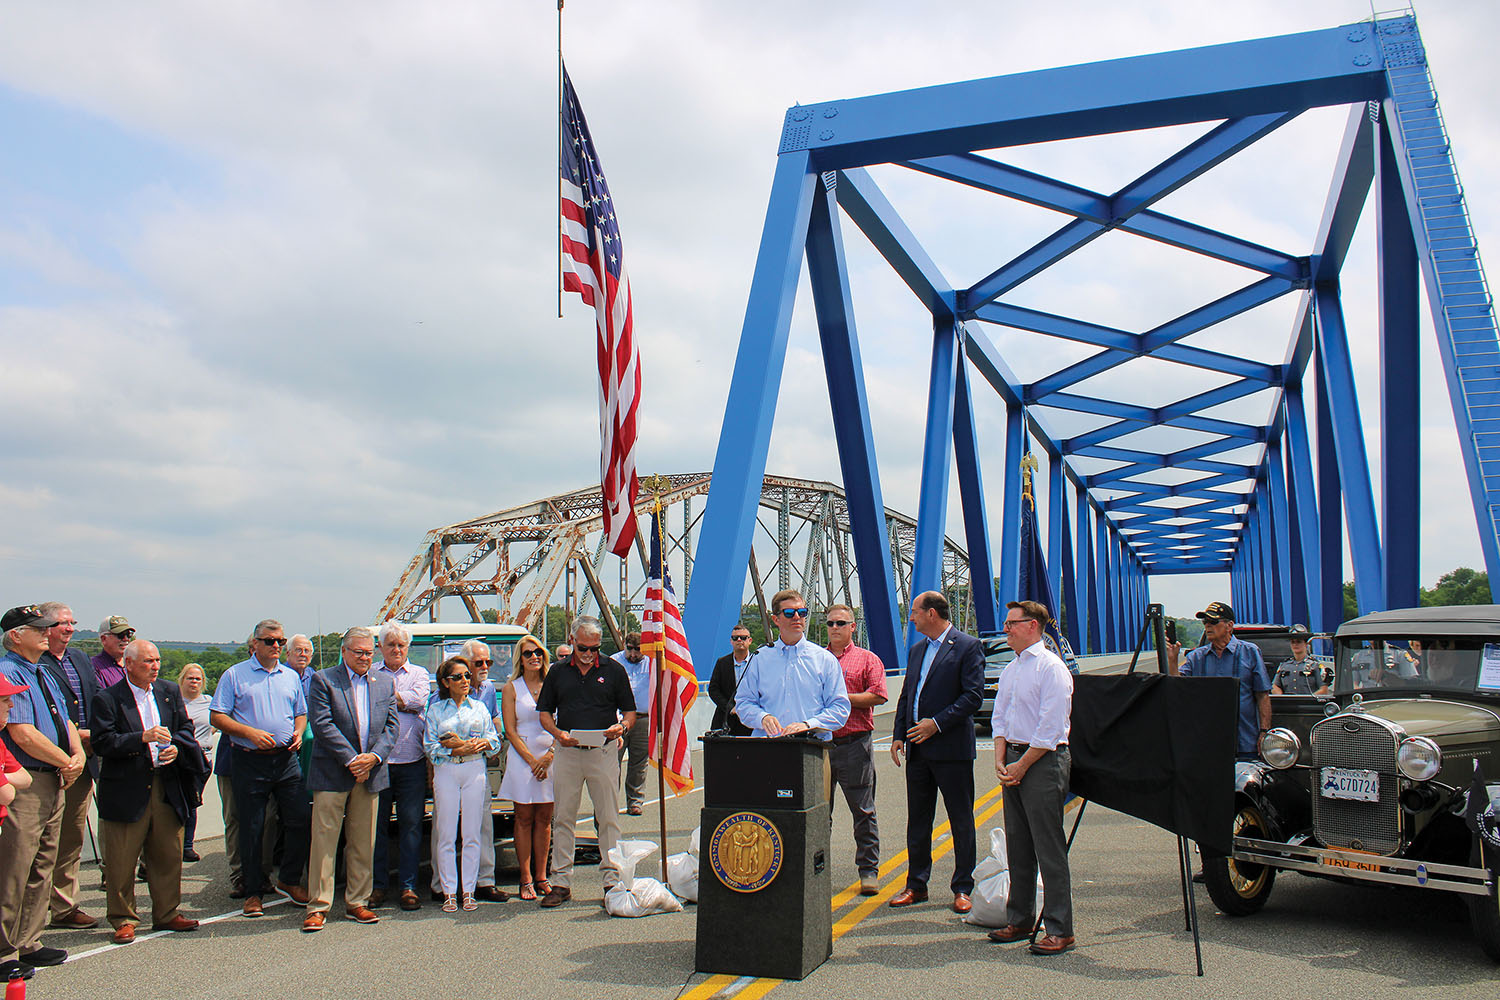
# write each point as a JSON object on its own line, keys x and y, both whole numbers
{"x": 28, "y": 852}
{"x": 353, "y": 812}
{"x": 600, "y": 770}
{"x": 76, "y": 800}
{"x": 157, "y": 836}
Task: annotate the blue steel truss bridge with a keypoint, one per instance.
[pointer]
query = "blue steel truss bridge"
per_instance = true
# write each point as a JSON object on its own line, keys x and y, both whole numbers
{"x": 1137, "y": 490}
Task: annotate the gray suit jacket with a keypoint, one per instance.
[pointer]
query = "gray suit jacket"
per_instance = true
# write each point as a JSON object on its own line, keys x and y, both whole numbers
{"x": 330, "y": 711}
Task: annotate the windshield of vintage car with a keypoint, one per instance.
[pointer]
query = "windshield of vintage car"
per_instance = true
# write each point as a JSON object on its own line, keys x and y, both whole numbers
{"x": 1430, "y": 663}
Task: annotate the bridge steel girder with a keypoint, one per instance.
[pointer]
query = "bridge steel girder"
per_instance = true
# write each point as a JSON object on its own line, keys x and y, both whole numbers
{"x": 1276, "y": 521}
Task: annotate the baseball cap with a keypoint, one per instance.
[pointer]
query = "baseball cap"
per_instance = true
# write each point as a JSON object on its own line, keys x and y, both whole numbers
{"x": 1218, "y": 611}
{"x": 29, "y": 614}
{"x": 7, "y": 688}
{"x": 116, "y": 624}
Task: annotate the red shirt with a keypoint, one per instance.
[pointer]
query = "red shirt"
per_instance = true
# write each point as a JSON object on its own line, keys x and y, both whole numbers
{"x": 863, "y": 673}
{"x": 8, "y": 765}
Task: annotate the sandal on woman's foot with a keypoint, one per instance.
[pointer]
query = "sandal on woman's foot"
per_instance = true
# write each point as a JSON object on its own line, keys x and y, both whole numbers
{"x": 528, "y": 891}
{"x": 543, "y": 887}
{"x": 470, "y": 903}
{"x": 450, "y": 903}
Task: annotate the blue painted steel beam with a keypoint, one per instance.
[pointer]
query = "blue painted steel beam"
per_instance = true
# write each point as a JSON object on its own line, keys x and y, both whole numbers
{"x": 867, "y": 206}
{"x": 1286, "y": 73}
{"x": 937, "y": 456}
{"x": 1056, "y": 516}
{"x": 1236, "y": 303}
{"x": 1088, "y": 584}
{"x": 1400, "y": 365}
{"x": 1349, "y": 444}
{"x": 712, "y": 602}
{"x": 971, "y": 495}
{"x": 1199, "y": 156}
{"x": 834, "y": 306}
{"x": 1282, "y": 538}
{"x": 1102, "y": 573}
{"x": 1082, "y": 613}
{"x": 1302, "y": 500}
{"x": 1062, "y": 327}
{"x": 1046, "y": 192}
{"x": 1330, "y": 502}
{"x": 1067, "y": 595}
{"x": 1473, "y": 310}
{"x": 1354, "y": 170}
{"x": 1010, "y": 530}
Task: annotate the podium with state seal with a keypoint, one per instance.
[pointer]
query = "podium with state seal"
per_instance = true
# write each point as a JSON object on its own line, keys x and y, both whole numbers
{"x": 765, "y": 891}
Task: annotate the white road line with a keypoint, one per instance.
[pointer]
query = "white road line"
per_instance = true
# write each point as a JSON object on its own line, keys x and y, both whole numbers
{"x": 79, "y": 956}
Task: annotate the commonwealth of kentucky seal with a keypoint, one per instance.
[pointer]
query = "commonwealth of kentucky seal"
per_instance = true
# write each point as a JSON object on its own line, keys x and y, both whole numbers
{"x": 745, "y": 852}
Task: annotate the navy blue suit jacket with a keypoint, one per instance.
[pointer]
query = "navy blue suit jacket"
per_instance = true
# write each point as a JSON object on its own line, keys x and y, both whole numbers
{"x": 90, "y": 682}
{"x": 951, "y": 696}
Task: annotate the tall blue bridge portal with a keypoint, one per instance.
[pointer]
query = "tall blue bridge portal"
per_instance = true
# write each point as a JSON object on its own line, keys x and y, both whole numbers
{"x": 1276, "y": 526}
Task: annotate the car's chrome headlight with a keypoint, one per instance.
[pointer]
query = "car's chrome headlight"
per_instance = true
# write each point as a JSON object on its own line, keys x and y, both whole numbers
{"x": 1280, "y": 748}
{"x": 1419, "y": 758}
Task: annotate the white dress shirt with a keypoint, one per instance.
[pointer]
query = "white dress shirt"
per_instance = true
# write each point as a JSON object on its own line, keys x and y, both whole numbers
{"x": 1034, "y": 700}
{"x": 150, "y": 718}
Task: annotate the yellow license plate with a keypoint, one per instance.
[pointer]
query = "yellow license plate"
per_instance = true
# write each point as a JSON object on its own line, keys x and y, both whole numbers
{"x": 1363, "y": 866}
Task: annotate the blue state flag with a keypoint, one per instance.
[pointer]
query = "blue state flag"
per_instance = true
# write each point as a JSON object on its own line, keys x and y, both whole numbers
{"x": 1034, "y": 584}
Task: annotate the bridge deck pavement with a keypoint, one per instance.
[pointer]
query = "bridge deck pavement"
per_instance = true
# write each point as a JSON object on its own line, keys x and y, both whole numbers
{"x": 1315, "y": 938}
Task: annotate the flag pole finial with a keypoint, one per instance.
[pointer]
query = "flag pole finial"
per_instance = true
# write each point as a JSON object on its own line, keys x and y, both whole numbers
{"x": 657, "y": 486}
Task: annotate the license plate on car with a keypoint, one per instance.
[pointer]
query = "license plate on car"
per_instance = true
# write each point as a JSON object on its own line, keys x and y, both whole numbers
{"x": 1350, "y": 783}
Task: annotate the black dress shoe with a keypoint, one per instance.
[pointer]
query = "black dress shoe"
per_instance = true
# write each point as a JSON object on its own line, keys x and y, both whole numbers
{"x": 190, "y": 855}
{"x": 44, "y": 957}
{"x": 437, "y": 897}
{"x": 491, "y": 894}
{"x": 15, "y": 970}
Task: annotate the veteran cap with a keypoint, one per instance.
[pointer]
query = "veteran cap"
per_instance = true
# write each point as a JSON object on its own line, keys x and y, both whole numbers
{"x": 23, "y": 616}
{"x": 116, "y": 625}
{"x": 1218, "y": 611}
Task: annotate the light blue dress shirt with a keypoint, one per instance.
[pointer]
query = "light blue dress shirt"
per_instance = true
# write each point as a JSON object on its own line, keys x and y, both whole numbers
{"x": 261, "y": 699}
{"x": 798, "y": 683}
{"x": 469, "y": 720}
{"x": 640, "y": 680}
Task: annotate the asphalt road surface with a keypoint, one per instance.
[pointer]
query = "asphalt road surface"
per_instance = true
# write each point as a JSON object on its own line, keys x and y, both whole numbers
{"x": 1316, "y": 938}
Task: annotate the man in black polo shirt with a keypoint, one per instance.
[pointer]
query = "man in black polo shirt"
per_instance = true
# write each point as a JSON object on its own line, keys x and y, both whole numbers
{"x": 585, "y": 693}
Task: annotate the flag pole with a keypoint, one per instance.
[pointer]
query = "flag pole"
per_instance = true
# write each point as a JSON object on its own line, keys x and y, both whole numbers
{"x": 657, "y": 485}
{"x": 560, "y": 111}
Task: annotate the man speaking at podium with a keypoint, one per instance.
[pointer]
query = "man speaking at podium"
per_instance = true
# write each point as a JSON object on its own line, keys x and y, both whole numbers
{"x": 792, "y": 686}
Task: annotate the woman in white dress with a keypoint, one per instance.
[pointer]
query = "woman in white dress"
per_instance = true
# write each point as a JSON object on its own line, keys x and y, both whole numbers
{"x": 528, "y": 767}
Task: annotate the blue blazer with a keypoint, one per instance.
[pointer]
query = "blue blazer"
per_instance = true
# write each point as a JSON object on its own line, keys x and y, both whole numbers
{"x": 90, "y": 682}
{"x": 330, "y": 712}
{"x": 951, "y": 696}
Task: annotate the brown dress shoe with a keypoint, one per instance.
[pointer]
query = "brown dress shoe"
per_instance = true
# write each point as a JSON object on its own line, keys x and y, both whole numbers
{"x": 295, "y": 893}
{"x": 252, "y": 907}
{"x": 75, "y": 920}
{"x": 178, "y": 923}
{"x": 377, "y": 898}
{"x": 361, "y": 915}
{"x": 313, "y": 922}
{"x": 124, "y": 934}
{"x": 410, "y": 900}
{"x": 908, "y": 896}
{"x": 1010, "y": 934}
{"x": 1052, "y": 945}
{"x": 962, "y": 903}
{"x": 557, "y": 896}
{"x": 491, "y": 894}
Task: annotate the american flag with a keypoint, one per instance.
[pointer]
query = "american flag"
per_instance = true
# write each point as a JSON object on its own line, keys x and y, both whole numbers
{"x": 676, "y": 684}
{"x": 593, "y": 264}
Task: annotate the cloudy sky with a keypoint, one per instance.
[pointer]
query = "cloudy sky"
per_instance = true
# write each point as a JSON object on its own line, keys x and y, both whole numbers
{"x": 277, "y": 279}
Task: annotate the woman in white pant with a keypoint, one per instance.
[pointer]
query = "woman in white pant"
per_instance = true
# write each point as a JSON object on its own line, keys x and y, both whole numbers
{"x": 460, "y": 734}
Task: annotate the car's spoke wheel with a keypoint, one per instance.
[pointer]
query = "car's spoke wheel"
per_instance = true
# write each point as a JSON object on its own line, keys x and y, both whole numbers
{"x": 1240, "y": 888}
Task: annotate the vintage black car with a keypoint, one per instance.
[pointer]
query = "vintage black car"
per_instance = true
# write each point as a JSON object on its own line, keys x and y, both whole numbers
{"x": 1373, "y": 781}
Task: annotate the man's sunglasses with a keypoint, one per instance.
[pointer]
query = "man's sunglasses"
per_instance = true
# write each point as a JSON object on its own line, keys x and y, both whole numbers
{"x": 794, "y": 612}
{"x": 484, "y": 662}
{"x": 739, "y": 638}
{"x": 277, "y": 641}
{"x": 838, "y": 622}
{"x": 586, "y": 649}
